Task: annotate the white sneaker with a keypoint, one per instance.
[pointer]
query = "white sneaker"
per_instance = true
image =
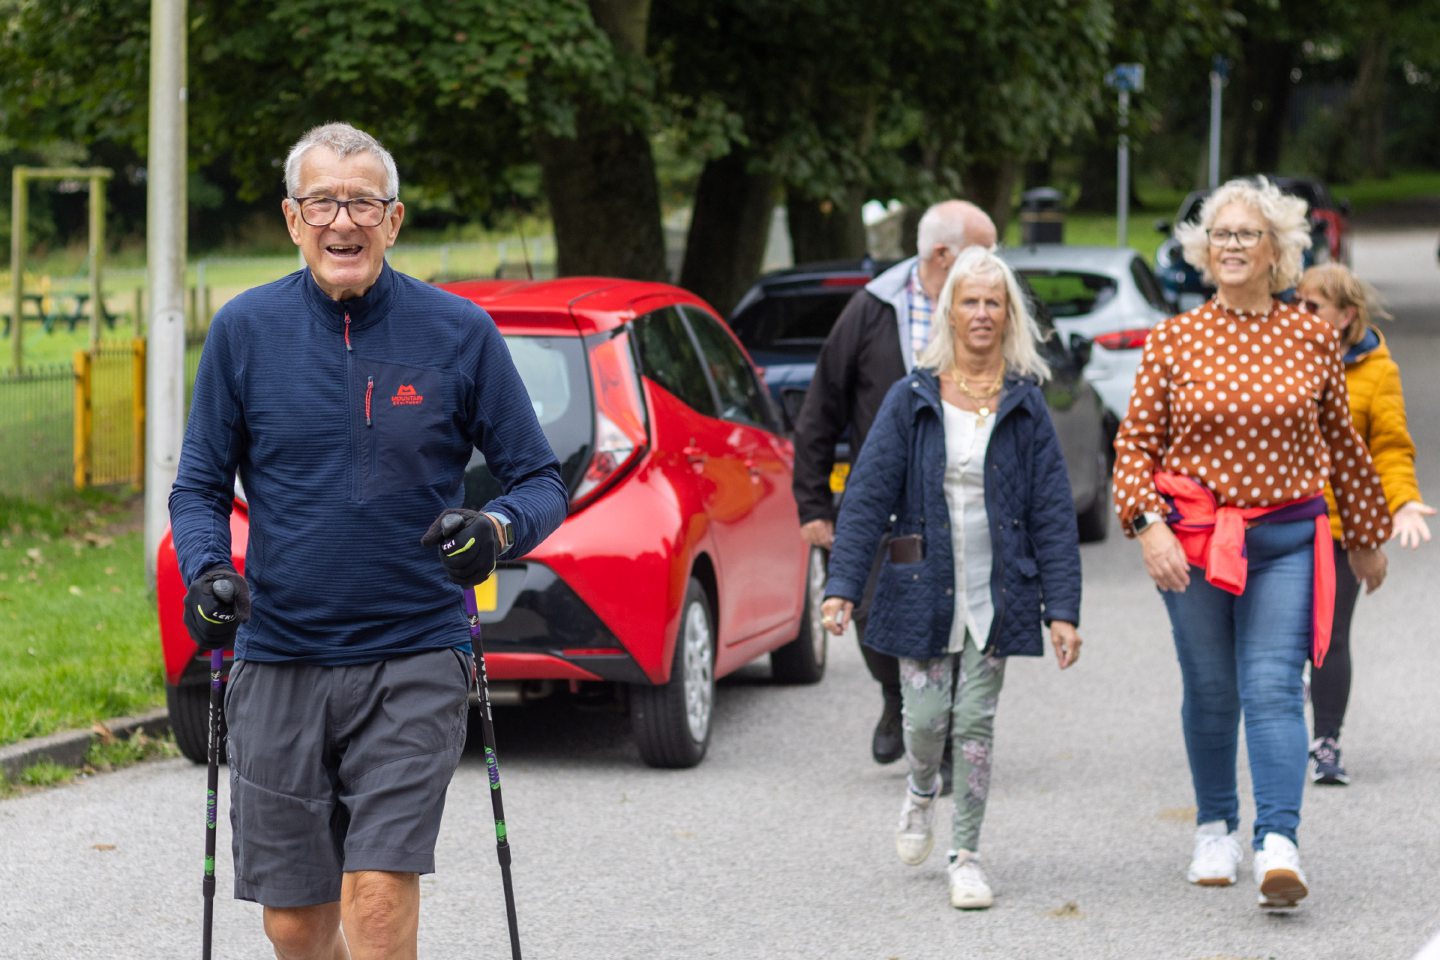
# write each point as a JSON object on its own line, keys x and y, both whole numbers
{"x": 1278, "y": 873}
{"x": 969, "y": 890}
{"x": 1217, "y": 856}
{"x": 914, "y": 838}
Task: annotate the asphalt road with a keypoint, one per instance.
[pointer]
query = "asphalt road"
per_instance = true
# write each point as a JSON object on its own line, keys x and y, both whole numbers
{"x": 780, "y": 844}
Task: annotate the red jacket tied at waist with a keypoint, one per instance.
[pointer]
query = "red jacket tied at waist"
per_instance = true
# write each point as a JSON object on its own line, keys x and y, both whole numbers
{"x": 1213, "y": 538}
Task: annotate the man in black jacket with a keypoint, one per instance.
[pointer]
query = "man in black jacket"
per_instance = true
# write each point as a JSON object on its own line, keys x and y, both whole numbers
{"x": 874, "y": 343}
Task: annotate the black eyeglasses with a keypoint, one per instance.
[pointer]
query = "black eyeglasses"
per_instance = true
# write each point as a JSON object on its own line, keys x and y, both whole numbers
{"x": 1246, "y": 238}
{"x": 322, "y": 211}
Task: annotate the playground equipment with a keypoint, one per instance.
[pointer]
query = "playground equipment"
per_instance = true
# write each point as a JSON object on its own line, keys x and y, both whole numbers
{"x": 20, "y": 178}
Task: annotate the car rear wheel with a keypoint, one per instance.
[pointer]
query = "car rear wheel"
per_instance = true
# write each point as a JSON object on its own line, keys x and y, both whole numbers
{"x": 802, "y": 660}
{"x": 672, "y": 721}
{"x": 189, "y": 706}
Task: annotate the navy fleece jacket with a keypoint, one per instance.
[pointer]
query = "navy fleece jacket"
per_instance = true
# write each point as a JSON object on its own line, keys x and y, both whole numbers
{"x": 350, "y": 424}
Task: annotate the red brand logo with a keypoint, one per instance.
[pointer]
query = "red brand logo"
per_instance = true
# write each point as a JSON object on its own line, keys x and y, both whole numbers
{"x": 406, "y": 397}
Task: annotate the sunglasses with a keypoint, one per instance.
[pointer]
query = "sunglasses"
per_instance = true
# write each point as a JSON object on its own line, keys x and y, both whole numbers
{"x": 1310, "y": 306}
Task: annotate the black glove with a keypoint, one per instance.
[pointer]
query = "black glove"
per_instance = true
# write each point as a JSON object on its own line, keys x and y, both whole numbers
{"x": 210, "y": 619}
{"x": 467, "y": 542}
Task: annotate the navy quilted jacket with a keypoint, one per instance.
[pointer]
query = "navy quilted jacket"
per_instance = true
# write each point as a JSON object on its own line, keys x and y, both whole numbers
{"x": 899, "y": 482}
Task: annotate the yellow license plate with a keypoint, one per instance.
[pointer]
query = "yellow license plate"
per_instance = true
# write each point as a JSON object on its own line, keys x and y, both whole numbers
{"x": 487, "y": 596}
{"x": 838, "y": 473}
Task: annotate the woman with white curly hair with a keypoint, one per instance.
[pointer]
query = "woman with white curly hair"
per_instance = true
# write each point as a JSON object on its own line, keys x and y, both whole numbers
{"x": 1238, "y": 418}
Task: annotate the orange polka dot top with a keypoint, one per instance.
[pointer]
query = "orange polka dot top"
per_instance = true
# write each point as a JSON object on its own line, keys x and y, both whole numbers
{"x": 1254, "y": 407}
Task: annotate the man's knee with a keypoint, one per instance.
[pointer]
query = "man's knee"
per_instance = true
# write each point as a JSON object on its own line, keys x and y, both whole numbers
{"x": 382, "y": 910}
{"x": 300, "y": 933}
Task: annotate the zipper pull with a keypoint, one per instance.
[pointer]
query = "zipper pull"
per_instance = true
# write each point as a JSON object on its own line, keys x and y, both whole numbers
{"x": 348, "y": 348}
{"x": 369, "y": 392}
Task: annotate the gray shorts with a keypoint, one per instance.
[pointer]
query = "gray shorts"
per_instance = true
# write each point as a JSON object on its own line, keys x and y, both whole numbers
{"x": 338, "y": 769}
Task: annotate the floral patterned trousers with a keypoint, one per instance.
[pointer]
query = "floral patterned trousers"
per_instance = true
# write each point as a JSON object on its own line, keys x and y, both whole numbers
{"x": 935, "y": 697}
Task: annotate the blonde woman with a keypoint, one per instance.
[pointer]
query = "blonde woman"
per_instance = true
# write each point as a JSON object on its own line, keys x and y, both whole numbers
{"x": 1377, "y": 405}
{"x": 1237, "y": 421}
{"x": 983, "y": 546}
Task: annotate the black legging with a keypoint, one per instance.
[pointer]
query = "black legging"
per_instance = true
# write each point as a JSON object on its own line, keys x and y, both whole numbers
{"x": 1330, "y": 684}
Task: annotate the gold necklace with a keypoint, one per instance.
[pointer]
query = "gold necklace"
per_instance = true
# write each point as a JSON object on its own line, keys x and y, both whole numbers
{"x": 979, "y": 398}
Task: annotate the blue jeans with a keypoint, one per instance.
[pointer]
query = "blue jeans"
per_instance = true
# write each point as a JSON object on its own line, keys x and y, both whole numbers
{"x": 1245, "y": 655}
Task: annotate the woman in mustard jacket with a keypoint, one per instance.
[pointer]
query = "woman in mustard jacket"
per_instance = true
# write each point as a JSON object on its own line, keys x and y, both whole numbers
{"x": 1377, "y": 407}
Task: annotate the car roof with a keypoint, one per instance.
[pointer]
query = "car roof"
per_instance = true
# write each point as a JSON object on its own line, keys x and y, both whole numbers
{"x": 569, "y": 305}
{"x": 1064, "y": 256}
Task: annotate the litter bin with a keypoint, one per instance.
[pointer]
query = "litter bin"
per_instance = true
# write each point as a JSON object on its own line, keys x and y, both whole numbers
{"x": 1042, "y": 216}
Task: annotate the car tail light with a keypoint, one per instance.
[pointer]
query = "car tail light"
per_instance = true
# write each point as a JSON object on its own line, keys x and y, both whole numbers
{"x": 619, "y": 417}
{"x": 843, "y": 281}
{"x": 1132, "y": 339}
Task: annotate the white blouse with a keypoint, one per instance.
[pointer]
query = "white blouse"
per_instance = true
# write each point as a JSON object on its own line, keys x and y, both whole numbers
{"x": 966, "y": 438}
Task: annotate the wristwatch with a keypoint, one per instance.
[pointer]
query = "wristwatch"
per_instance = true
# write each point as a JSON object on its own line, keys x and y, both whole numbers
{"x": 507, "y": 531}
{"x": 1143, "y": 521}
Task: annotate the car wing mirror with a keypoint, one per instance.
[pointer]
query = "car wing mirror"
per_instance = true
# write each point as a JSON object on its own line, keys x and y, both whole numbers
{"x": 1162, "y": 226}
{"x": 1080, "y": 350}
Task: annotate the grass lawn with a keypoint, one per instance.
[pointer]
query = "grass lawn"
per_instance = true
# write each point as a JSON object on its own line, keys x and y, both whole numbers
{"x": 79, "y": 641}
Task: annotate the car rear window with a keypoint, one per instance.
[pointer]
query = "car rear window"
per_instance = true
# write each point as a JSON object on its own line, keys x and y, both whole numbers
{"x": 555, "y": 376}
{"x": 1070, "y": 293}
{"x": 795, "y": 322}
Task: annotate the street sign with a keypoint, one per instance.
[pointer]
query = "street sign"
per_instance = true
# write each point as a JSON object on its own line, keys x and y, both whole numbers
{"x": 1127, "y": 76}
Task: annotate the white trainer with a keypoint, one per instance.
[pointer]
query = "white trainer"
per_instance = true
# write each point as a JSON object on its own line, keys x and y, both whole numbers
{"x": 969, "y": 889}
{"x": 1217, "y": 856}
{"x": 1278, "y": 874}
{"x": 914, "y": 838}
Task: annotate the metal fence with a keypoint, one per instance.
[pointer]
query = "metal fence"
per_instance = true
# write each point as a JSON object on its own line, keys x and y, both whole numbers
{"x": 37, "y": 430}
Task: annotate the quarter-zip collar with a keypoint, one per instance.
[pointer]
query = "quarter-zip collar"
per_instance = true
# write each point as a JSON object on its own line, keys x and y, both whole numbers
{"x": 365, "y": 311}
{"x": 1371, "y": 342}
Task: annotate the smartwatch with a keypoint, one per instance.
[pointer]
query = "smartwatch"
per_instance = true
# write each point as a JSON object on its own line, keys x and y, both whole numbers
{"x": 1143, "y": 521}
{"x": 507, "y": 531}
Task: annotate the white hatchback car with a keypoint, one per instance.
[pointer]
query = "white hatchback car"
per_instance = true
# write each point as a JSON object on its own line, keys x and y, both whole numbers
{"x": 1107, "y": 297}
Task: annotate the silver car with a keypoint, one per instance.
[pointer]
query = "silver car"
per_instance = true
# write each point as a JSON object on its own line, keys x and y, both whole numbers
{"x": 1102, "y": 299}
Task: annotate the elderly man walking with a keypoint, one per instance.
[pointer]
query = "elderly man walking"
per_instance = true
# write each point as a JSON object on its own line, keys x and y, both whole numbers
{"x": 348, "y": 397}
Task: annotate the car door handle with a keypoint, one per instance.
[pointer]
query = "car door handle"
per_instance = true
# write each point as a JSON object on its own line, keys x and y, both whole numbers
{"x": 694, "y": 455}
{"x": 754, "y": 470}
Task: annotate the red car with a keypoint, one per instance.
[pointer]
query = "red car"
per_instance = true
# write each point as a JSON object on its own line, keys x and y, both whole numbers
{"x": 681, "y": 558}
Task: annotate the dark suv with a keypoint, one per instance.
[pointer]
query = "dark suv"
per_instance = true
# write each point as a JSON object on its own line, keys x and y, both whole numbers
{"x": 784, "y": 318}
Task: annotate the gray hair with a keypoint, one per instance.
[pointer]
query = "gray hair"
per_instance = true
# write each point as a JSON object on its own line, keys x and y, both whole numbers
{"x": 1286, "y": 215}
{"x": 1021, "y": 334}
{"x": 943, "y": 223}
{"x": 343, "y": 140}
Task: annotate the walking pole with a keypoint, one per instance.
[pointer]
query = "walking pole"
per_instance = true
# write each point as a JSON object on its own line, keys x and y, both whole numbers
{"x": 452, "y": 523}
{"x": 224, "y": 592}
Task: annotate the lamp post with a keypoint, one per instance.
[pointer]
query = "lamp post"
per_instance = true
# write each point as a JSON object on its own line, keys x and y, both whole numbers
{"x": 1125, "y": 78}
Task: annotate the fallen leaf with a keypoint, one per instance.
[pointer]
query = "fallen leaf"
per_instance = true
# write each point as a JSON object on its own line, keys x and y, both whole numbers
{"x": 109, "y": 571}
{"x": 75, "y": 591}
{"x": 106, "y": 735}
{"x": 1068, "y": 910}
{"x": 1178, "y": 814}
{"x": 102, "y": 847}
{"x": 34, "y": 555}
{"x": 99, "y": 540}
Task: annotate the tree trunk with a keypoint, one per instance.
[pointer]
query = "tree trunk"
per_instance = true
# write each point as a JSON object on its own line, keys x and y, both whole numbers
{"x": 600, "y": 184}
{"x": 604, "y": 202}
{"x": 729, "y": 227}
{"x": 1366, "y": 108}
{"x": 825, "y": 230}
{"x": 990, "y": 185}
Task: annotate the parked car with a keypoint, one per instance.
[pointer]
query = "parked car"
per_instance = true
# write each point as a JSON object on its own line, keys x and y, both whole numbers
{"x": 783, "y": 320}
{"x": 1329, "y": 229}
{"x": 680, "y": 560}
{"x": 1106, "y": 297}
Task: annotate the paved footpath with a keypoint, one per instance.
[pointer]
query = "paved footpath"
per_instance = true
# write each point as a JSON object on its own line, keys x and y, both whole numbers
{"x": 779, "y": 845}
